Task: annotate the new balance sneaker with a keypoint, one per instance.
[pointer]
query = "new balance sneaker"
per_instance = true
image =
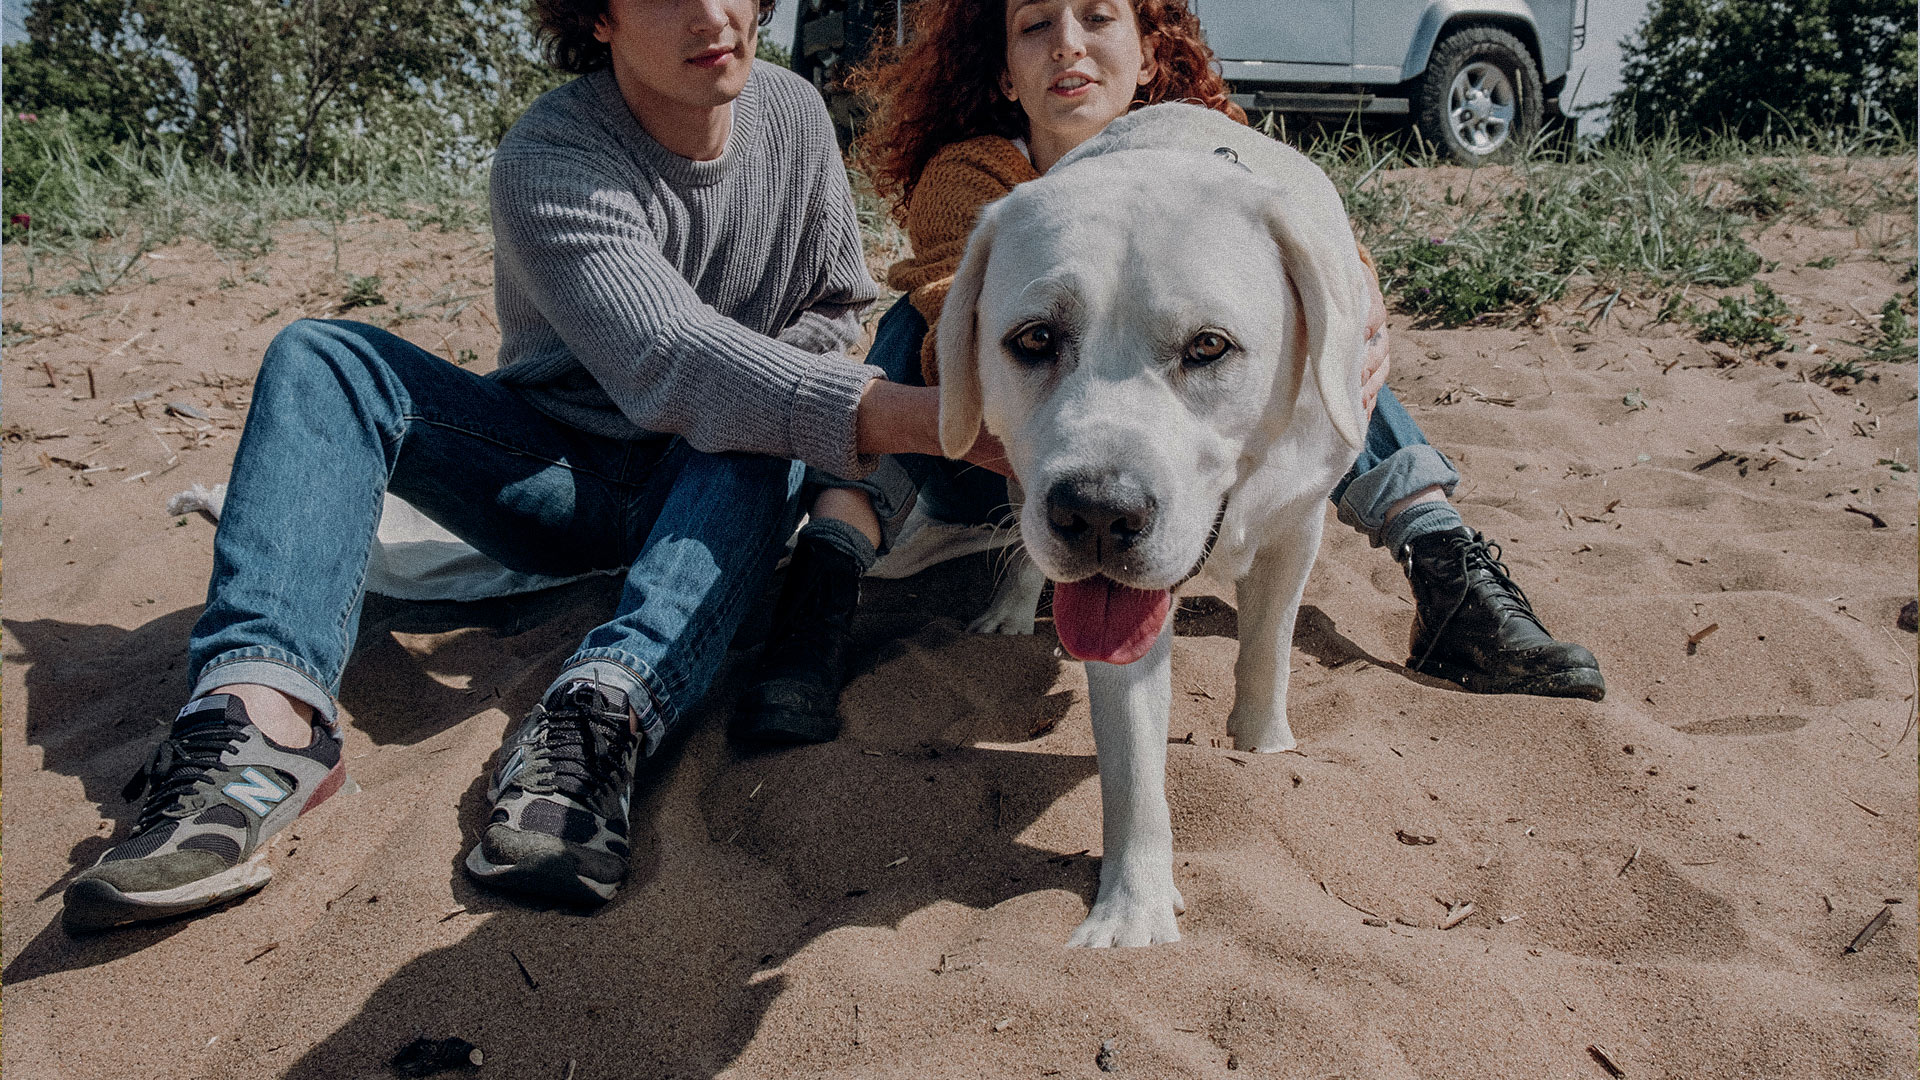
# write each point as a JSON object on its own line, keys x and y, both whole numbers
{"x": 1473, "y": 625}
{"x": 558, "y": 831}
{"x": 217, "y": 790}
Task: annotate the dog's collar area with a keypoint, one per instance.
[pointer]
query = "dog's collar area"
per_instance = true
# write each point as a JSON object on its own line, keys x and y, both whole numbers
{"x": 1206, "y": 551}
{"x": 1231, "y": 155}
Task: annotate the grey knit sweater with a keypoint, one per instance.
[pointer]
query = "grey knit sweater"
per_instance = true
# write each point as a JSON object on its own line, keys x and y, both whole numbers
{"x": 643, "y": 293}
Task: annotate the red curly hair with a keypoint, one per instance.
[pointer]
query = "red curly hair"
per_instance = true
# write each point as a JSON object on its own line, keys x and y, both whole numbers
{"x": 943, "y": 87}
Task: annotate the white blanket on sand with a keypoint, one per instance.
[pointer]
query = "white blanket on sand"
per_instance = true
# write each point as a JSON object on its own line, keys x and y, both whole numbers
{"x": 415, "y": 559}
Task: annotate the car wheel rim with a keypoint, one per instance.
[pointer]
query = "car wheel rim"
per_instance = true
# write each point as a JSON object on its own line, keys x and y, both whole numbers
{"x": 1481, "y": 107}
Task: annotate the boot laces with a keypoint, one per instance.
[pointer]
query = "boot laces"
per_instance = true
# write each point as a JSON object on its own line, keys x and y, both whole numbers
{"x": 178, "y": 767}
{"x": 1505, "y": 594}
{"x": 1483, "y": 554}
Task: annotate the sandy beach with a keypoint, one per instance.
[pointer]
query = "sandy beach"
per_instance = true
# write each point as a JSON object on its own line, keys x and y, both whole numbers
{"x": 1665, "y": 881}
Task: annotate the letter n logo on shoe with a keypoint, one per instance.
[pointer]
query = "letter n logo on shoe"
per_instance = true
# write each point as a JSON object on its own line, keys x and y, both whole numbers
{"x": 257, "y": 793}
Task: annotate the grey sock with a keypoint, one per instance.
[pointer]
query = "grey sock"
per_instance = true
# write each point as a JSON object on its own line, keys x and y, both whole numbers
{"x": 845, "y": 537}
{"x": 1419, "y": 520}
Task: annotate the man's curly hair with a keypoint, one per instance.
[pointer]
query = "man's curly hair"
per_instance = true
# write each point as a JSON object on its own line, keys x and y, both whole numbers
{"x": 943, "y": 86}
{"x": 566, "y": 31}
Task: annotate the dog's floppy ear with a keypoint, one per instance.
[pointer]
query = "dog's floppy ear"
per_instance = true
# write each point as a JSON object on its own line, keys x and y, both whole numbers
{"x": 1324, "y": 266}
{"x": 957, "y": 345}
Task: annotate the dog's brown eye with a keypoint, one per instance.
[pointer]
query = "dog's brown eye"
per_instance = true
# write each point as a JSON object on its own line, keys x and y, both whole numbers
{"x": 1206, "y": 347}
{"x": 1034, "y": 343}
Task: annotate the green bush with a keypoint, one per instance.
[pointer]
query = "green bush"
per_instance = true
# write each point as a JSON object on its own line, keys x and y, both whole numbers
{"x": 284, "y": 86}
{"x": 1769, "y": 67}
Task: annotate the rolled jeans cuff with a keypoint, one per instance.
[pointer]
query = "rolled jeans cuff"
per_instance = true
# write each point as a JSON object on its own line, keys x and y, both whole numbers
{"x": 1366, "y": 498}
{"x": 629, "y": 675}
{"x": 259, "y": 665}
{"x": 890, "y": 487}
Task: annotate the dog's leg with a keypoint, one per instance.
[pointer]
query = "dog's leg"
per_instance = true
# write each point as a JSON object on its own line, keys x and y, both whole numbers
{"x": 1269, "y": 599}
{"x": 1138, "y": 900}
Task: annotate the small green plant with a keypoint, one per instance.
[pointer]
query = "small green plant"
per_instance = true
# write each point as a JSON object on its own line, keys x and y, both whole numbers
{"x": 1741, "y": 322}
{"x": 1825, "y": 262}
{"x": 1895, "y": 343}
{"x": 1896, "y": 466}
{"x": 465, "y": 357}
{"x": 362, "y": 292}
{"x": 1839, "y": 369}
{"x": 1634, "y": 401}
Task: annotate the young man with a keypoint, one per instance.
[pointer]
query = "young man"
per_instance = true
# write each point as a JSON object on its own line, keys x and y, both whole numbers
{"x": 678, "y": 274}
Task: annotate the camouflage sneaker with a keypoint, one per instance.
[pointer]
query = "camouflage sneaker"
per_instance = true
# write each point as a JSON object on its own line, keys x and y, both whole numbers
{"x": 558, "y": 831}
{"x": 217, "y": 790}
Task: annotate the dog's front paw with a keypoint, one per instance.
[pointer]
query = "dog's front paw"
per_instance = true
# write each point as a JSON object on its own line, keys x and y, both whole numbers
{"x": 999, "y": 621}
{"x": 1014, "y": 601}
{"x": 1131, "y": 915}
{"x": 1263, "y": 735}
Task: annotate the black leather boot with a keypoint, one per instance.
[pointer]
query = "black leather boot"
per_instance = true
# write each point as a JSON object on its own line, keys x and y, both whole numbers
{"x": 795, "y": 697}
{"x": 1472, "y": 625}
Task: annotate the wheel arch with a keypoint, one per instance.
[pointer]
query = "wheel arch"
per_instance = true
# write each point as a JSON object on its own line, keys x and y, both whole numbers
{"x": 1446, "y": 16}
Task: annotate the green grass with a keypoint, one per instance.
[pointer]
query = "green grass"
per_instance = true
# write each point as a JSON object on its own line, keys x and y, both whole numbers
{"x": 1514, "y": 239}
{"x": 90, "y": 215}
{"x": 1650, "y": 219}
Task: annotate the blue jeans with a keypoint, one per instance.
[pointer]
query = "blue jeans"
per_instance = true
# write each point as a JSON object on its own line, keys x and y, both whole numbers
{"x": 343, "y": 413}
{"x": 1396, "y": 462}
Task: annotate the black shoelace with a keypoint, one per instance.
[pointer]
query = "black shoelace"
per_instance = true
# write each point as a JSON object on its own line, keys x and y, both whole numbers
{"x": 1481, "y": 553}
{"x": 177, "y": 766}
{"x": 584, "y": 751}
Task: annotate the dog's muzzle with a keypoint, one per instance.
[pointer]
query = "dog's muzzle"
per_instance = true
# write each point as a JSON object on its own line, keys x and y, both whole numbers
{"x": 1206, "y": 550}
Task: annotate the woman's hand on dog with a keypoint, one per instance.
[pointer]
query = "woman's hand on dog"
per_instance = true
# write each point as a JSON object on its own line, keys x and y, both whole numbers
{"x": 1373, "y": 373}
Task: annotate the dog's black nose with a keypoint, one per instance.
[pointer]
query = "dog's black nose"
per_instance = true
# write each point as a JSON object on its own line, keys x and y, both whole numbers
{"x": 1106, "y": 512}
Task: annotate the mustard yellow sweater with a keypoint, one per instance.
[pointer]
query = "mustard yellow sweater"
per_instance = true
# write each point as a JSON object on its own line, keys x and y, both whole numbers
{"x": 959, "y": 180}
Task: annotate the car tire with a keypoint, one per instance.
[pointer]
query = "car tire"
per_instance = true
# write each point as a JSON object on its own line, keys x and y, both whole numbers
{"x": 1479, "y": 100}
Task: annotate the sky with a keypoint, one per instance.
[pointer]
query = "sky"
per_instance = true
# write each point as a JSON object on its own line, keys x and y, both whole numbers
{"x": 1608, "y": 21}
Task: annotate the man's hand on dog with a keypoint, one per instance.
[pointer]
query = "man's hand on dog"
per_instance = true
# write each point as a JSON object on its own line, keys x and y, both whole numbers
{"x": 899, "y": 419}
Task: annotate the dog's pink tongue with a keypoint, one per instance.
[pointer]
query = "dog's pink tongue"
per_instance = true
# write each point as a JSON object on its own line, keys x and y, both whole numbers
{"x": 1100, "y": 619}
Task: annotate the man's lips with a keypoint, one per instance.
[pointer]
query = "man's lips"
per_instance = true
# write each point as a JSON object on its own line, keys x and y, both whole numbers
{"x": 711, "y": 58}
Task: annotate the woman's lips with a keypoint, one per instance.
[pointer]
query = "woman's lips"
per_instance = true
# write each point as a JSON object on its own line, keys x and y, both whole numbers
{"x": 1068, "y": 90}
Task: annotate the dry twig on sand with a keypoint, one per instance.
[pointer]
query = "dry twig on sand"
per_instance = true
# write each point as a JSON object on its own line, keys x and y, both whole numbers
{"x": 1868, "y": 932}
{"x": 1605, "y": 1060}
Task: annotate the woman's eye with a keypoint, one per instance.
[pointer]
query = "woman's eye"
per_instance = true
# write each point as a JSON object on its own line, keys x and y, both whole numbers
{"x": 1033, "y": 343}
{"x": 1206, "y": 347}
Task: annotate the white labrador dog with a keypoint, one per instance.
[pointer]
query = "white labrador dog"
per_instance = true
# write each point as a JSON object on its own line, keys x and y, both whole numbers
{"x": 1166, "y": 331}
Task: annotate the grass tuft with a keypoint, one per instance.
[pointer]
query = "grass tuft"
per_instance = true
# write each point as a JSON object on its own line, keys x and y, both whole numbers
{"x": 1746, "y": 323}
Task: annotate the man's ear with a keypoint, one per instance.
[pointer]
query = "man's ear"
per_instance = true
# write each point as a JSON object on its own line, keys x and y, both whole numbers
{"x": 958, "y": 345}
{"x": 1324, "y": 266}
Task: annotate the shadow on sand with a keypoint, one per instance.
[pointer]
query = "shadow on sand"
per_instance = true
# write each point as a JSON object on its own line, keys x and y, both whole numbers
{"x": 674, "y": 977}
